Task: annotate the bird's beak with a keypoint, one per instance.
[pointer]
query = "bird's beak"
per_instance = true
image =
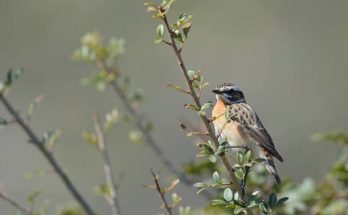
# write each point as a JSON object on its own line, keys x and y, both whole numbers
{"x": 216, "y": 91}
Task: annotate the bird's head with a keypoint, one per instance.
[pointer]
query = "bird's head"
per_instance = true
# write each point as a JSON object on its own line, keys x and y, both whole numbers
{"x": 229, "y": 93}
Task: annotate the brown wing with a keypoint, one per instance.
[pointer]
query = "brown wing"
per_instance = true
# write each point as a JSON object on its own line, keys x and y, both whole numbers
{"x": 243, "y": 114}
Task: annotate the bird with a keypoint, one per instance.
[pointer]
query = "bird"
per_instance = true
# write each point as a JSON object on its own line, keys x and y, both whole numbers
{"x": 238, "y": 124}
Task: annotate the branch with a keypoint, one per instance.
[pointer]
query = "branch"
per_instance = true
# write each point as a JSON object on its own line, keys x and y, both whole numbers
{"x": 110, "y": 180}
{"x": 161, "y": 193}
{"x": 147, "y": 136}
{"x": 197, "y": 102}
{"x": 15, "y": 204}
{"x": 35, "y": 140}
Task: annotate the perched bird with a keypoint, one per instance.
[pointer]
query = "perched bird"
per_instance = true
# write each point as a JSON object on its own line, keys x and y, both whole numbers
{"x": 237, "y": 123}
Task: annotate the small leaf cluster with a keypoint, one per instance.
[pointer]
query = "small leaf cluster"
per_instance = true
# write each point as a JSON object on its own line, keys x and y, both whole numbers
{"x": 175, "y": 198}
{"x": 159, "y": 10}
{"x": 217, "y": 182}
{"x": 50, "y": 138}
{"x": 208, "y": 149}
{"x": 243, "y": 161}
{"x": 179, "y": 30}
{"x": 111, "y": 118}
{"x": 104, "y": 57}
{"x": 231, "y": 199}
{"x": 328, "y": 196}
{"x": 11, "y": 76}
{"x": 94, "y": 51}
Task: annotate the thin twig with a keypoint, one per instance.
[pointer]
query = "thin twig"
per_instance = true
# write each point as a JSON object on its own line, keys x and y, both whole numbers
{"x": 166, "y": 42}
{"x": 146, "y": 134}
{"x": 197, "y": 102}
{"x": 110, "y": 179}
{"x": 15, "y": 204}
{"x": 35, "y": 140}
{"x": 161, "y": 193}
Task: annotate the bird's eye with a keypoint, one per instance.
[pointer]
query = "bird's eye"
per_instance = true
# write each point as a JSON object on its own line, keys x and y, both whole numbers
{"x": 235, "y": 96}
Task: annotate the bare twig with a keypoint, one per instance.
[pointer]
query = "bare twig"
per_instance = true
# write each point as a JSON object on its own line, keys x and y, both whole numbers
{"x": 161, "y": 193}
{"x": 197, "y": 102}
{"x": 15, "y": 204}
{"x": 146, "y": 134}
{"x": 35, "y": 140}
{"x": 110, "y": 180}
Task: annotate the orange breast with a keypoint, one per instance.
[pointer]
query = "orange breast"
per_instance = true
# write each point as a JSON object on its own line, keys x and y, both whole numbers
{"x": 232, "y": 131}
{"x": 219, "y": 110}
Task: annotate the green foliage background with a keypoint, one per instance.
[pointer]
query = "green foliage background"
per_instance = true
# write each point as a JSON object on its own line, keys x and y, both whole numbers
{"x": 289, "y": 57}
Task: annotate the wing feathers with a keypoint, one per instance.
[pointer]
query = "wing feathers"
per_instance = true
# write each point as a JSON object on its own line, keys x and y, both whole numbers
{"x": 247, "y": 118}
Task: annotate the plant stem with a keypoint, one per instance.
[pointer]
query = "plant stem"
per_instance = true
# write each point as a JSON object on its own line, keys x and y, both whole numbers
{"x": 110, "y": 180}
{"x": 15, "y": 204}
{"x": 35, "y": 140}
{"x": 149, "y": 139}
{"x": 161, "y": 193}
{"x": 197, "y": 102}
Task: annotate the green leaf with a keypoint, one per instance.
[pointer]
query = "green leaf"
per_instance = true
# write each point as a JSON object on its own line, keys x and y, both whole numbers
{"x": 33, "y": 105}
{"x": 151, "y": 7}
{"x": 186, "y": 30}
{"x": 50, "y": 138}
{"x": 281, "y": 202}
{"x": 236, "y": 196}
{"x": 247, "y": 156}
{"x": 263, "y": 207}
{"x": 221, "y": 149}
{"x": 171, "y": 186}
{"x": 136, "y": 137}
{"x": 2, "y": 87}
{"x": 178, "y": 88}
{"x": 159, "y": 33}
{"x": 199, "y": 185}
{"x": 202, "y": 113}
{"x": 33, "y": 196}
{"x": 207, "y": 147}
{"x": 239, "y": 173}
{"x": 240, "y": 158}
{"x": 216, "y": 178}
{"x": 185, "y": 210}
{"x": 90, "y": 137}
{"x": 167, "y": 3}
{"x": 219, "y": 202}
{"x": 272, "y": 200}
{"x": 176, "y": 199}
{"x": 212, "y": 158}
{"x": 252, "y": 204}
{"x": 191, "y": 106}
{"x": 115, "y": 49}
{"x": 13, "y": 75}
{"x": 103, "y": 189}
{"x": 178, "y": 36}
{"x": 191, "y": 74}
{"x": 206, "y": 106}
{"x": 111, "y": 119}
{"x": 238, "y": 210}
{"x": 228, "y": 195}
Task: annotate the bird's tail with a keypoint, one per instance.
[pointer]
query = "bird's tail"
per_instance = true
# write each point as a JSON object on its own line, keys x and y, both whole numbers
{"x": 271, "y": 169}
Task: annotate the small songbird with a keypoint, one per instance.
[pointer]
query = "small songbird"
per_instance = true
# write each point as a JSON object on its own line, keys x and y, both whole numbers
{"x": 237, "y": 123}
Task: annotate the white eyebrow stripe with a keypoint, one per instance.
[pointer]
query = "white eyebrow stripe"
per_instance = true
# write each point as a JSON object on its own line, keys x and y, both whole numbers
{"x": 236, "y": 88}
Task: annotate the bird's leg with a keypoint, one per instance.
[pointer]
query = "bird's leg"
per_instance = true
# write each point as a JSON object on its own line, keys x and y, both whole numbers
{"x": 246, "y": 172}
{"x": 243, "y": 184}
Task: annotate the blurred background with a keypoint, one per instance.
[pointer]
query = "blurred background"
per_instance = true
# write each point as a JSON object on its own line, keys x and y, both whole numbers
{"x": 290, "y": 58}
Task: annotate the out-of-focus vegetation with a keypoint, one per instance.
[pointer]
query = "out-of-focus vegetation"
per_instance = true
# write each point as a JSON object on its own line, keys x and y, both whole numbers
{"x": 326, "y": 196}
